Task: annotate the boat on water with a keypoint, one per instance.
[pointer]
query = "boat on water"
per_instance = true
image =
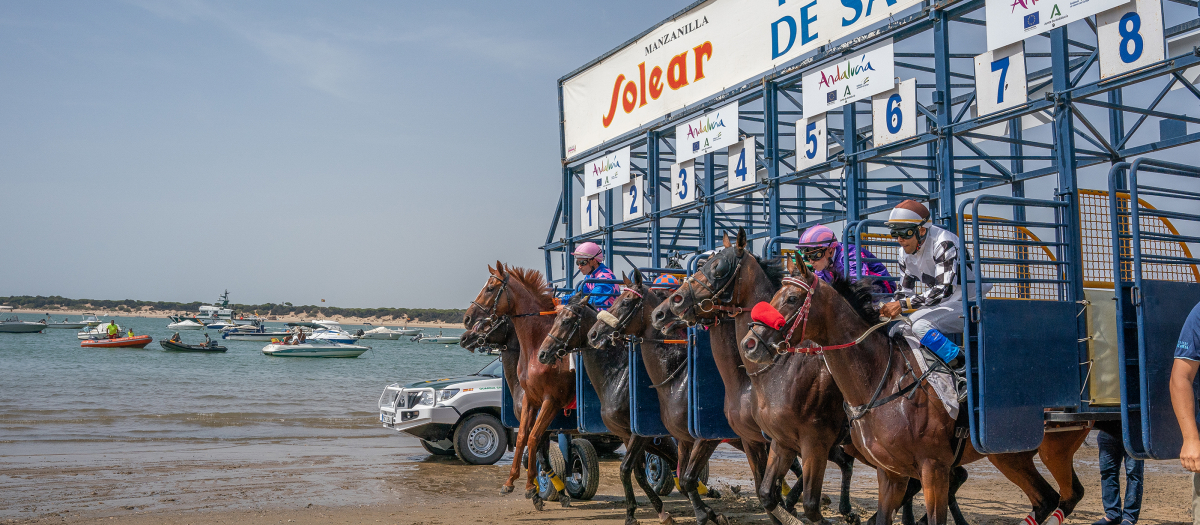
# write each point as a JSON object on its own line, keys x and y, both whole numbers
{"x": 64, "y": 324}
{"x": 12, "y": 325}
{"x": 332, "y": 332}
{"x": 398, "y": 331}
{"x": 314, "y": 349}
{"x": 137, "y": 341}
{"x": 180, "y": 346}
{"x": 100, "y": 331}
{"x": 438, "y": 339}
{"x": 383, "y": 333}
{"x": 254, "y": 333}
{"x": 186, "y": 324}
{"x": 91, "y": 320}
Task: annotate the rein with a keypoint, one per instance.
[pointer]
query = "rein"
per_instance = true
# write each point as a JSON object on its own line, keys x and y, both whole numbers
{"x": 801, "y": 318}
{"x": 716, "y": 295}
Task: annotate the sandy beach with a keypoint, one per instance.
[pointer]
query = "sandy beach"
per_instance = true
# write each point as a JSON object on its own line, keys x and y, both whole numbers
{"x": 382, "y": 477}
{"x": 31, "y": 315}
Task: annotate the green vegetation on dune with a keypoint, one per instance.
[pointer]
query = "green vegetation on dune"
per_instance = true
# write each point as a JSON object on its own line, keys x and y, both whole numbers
{"x": 54, "y": 302}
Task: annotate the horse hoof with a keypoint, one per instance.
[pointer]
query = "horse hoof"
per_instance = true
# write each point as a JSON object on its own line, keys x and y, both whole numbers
{"x": 722, "y": 520}
{"x": 713, "y": 494}
{"x": 538, "y": 503}
{"x": 665, "y": 518}
{"x": 785, "y": 517}
{"x": 630, "y": 520}
{"x": 825, "y": 500}
{"x": 506, "y": 490}
{"x": 565, "y": 499}
{"x": 852, "y": 518}
{"x": 530, "y": 493}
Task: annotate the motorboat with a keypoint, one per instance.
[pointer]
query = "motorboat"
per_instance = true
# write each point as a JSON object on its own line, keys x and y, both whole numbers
{"x": 98, "y": 332}
{"x": 314, "y": 349}
{"x": 409, "y": 331}
{"x": 186, "y": 324}
{"x": 255, "y": 333}
{"x": 91, "y": 320}
{"x": 137, "y": 341}
{"x": 218, "y": 325}
{"x": 334, "y": 336}
{"x": 64, "y": 324}
{"x": 179, "y": 346}
{"x": 382, "y": 333}
{"x": 439, "y": 339}
{"x": 12, "y": 325}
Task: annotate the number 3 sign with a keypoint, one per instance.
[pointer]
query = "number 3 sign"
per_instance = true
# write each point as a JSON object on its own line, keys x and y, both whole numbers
{"x": 683, "y": 183}
{"x": 894, "y": 113}
{"x": 1130, "y": 37}
{"x": 1000, "y": 81}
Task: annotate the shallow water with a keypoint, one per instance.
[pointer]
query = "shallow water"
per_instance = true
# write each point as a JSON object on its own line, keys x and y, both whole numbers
{"x": 52, "y": 390}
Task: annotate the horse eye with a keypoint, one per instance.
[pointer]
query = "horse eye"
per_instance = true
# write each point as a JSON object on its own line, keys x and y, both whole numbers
{"x": 792, "y": 299}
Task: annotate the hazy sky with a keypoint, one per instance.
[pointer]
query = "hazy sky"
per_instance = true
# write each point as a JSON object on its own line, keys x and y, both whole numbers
{"x": 366, "y": 153}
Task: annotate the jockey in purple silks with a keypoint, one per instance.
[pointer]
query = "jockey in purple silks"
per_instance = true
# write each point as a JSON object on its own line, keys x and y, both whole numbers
{"x": 820, "y": 248}
{"x": 589, "y": 257}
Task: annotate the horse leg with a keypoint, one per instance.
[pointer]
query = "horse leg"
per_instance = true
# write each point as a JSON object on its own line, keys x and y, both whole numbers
{"x": 689, "y": 479}
{"x": 793, "y": 494}
{"x": 845, "y": 462}
{"x": 634, "y": 449}
{"x": 756, "y": 455}
{"x": 1057, "y": 453}
{"x": 779, "y": 461}
{"x": 518, "y": 449}
{"x": 814, "y": 456}
{"x": 906, "y": 505}
{"x": 536, "y": 435}
{"x": 639, "y": 474}
{"x": 1020, "y": 470}
{"x": 892, "y": 488}
{"x": 958, "y": 476}
{"x": 543, "y": 455}
{"x": 935, "y": 478}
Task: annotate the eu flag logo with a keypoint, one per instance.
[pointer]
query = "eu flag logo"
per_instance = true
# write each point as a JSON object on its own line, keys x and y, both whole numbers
{"x": 1031, "y": 20}
{"x": 831, "y": 96}
{"x": 696, "y": 146}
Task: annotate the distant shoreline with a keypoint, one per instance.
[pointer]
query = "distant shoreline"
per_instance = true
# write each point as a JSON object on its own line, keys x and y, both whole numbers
{"x": 103, "y": 313}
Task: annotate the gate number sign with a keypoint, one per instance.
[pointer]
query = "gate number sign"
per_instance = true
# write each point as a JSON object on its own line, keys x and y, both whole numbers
{"x": 634, "y": 203}
{"x": 812, "y": 147}
{"x": 589, "y": 213}
{"x": 1000, "y": 79}
{"x": 1130, "y": 37}
{"x": 683, "y": 183}
{"x": 742, "y": 165}
{"x": 894, "y": 113}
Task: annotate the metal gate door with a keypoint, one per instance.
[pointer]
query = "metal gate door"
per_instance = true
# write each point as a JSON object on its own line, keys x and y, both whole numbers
{"x": 706, "y": 391}
{"x": 587, "y": 402}
{"x": 645, "y": 416}
{"x": 563, "y": 421}
{"x": 1157, "y": 286}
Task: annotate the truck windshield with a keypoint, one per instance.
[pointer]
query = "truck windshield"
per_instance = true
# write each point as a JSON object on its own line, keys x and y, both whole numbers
{"x": 491, "y": 370}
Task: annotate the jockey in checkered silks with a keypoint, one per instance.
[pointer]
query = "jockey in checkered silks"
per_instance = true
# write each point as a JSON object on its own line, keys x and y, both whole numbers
{"x": 930, "y": 257}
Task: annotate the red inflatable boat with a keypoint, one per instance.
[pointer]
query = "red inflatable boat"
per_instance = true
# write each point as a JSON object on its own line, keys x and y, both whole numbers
{"x": 138, "y": 341}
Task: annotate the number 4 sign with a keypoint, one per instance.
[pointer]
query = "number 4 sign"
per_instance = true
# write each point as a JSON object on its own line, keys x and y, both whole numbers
{"x": 589, "y": 213}
{"x": 1130, "y": 37}
{"x": 812, "y": 147}
{"x": 683, "y": 183}
{"x": 894, "y": 113}
{"x": 742, "y": 166}
{"x": 1000, "y": 79}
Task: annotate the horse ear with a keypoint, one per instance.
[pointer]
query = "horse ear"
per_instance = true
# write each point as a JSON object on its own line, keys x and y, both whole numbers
{"x": 725, "y": 241}
{"x": 625, "y": 279}
{"x": 741, "y": 238}
{"x": 637, "y": 278}
{"x": 804, "y": 270}
{"x": 499, "y": 269}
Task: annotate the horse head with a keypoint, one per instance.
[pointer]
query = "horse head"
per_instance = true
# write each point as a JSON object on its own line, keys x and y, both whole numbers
{"x": 567, "y": 334}
{"x": 487, "y": 332}
{"x": 713, "y": 283}
{"x": 494, "y": 299}
{"x": 626, "y": 316}
{"x": 783, "y": 322}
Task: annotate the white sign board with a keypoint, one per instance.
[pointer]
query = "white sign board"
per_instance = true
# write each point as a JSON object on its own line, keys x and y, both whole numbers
{"x": 742, "y": 164}
{"x": 812, "y": 146}
{"x": 635, "y": 204}
{"x": 715, "y": 46}
{"x": 1000, "y": 81}
{"x": 707, "y": 133}
{"x": 683, "y": 183}
{"x": 859, "y": 77}
{"x": 894, "y": 113}
{"x": 589, "y": 213}
{"x": 1130, "y": 37}
{"x": 609, "y": 171}
{"x": 1011, "y": 21}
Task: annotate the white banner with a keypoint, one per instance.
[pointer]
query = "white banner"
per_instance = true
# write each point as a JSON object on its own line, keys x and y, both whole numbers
{"x": 706, "y": 134}
{"x": 859, "y": 77}
{"x": 716, "y": 46}
{"x": 609, "y": 171}
{"x": 1010, "y": 21}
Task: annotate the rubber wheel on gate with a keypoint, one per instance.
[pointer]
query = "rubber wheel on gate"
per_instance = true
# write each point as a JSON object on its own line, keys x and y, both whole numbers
{"x": 659, "y": 475}
{"x": 480, "y": 439}
{"x": 583, "y": 470}
{"x": 436, "y": 450}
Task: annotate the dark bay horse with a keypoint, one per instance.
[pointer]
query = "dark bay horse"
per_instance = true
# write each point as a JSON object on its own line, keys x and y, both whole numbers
{"x": 501, "y": 335}
{"x": 608, "y": 368}
{"x": 905, "y": 437}
{"x": 793, "y": 400}
{"x": 666, "y": 365}
{"x": 520, "y": 295}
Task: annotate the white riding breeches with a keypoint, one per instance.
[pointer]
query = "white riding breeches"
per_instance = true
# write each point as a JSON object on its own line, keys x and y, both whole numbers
{"x": 945, "y": 317}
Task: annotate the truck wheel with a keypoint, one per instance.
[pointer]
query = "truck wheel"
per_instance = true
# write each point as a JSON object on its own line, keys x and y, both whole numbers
{"x": 659, "y": 475}
{"x": 480, "y": 439}
{"x": 440, "y": 448}
{"x": 583, "y": 470}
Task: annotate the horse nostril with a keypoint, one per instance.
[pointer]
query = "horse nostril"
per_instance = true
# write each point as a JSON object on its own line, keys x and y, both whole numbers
{"x": 677, "y": 299}
{"x": 750, "y": 344}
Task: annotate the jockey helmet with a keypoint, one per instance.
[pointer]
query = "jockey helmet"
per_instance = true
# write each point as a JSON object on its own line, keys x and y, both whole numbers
{"x": 666, "y": 281}
{"x": 589, "y": 250}
{"x": 907, "y": 219}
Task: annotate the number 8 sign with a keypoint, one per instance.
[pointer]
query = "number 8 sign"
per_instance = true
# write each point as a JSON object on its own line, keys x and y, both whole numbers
{"x": 894, "y": 113}
{"x": 1130, "y": 37}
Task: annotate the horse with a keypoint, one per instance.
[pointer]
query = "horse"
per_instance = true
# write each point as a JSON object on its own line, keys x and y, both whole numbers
{"x": 520, "y": 295}
{"x": 608, "y": 367}
{"x": 502, "y": 336}
{"x": 665, "y": 362}
{"x": 897, "y": 421}
{"x": 792, "y": 400}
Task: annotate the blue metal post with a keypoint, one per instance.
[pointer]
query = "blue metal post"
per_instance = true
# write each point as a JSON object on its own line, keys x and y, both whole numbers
{"x": 945, "y": 210}
{"x": 569, "y": 228}
{"x": 708, "y": 217}
{"x": 652, "y": 193}
{"x": 771, "y": 155}
{"x": 608, "y": 228}
{"x": 850, "y": 137}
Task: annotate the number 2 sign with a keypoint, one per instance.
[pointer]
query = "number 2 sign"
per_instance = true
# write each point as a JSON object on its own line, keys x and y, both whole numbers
{"x": 1000, "y": 81}
{"x": 589, "y": 213}
{"x": 894, "y": 113}
{"x": 683, "y": 183}
{"x": 1130, "y": 37}
{"x": 634, "y": 203}
{"x": 812, "y": 147}
{"x": 742, "y": 165}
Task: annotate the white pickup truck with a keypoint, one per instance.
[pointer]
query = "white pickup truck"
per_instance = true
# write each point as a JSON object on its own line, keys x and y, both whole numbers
{"x": 459, "y": 415}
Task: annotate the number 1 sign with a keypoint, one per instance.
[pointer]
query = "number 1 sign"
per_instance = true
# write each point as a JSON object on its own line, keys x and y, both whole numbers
{"x": 1130, "y": 37}
{"x": 811, "y": 145}
{"x": 1000, "y": 79}
{"x": 742, "y": 166}
{"x": 683, "y": 183}
{"x": 894, "y": 113}
{"x": 589, "y": 213}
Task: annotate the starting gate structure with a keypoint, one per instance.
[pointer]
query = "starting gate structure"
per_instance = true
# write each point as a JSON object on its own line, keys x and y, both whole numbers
{"x": 777, "y": 116}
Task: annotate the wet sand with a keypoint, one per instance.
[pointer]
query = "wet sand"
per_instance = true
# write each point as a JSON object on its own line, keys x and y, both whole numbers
{"x": 387, "y": 478}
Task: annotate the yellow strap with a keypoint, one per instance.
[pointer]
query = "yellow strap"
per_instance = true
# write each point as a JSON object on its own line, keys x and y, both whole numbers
{"x": 558, "y": 484}
{"x": 785, "y": 489}
{"x": 701, "y": 489}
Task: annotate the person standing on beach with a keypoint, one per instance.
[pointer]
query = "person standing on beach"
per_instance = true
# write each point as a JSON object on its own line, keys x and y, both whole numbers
{"x": 1183, "y": 400}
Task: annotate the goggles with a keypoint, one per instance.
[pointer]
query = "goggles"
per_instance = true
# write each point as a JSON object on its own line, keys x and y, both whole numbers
{"x": 582, "y": 262}
{"x": 813, "y": 254}
{"x": 905, "y": 231}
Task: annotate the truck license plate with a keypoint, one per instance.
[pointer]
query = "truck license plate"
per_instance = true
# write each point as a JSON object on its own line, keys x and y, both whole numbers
{"x": 387, "y": 419}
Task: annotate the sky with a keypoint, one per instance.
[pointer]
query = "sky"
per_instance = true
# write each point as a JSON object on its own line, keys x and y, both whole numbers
{"x": 371, "y": 154}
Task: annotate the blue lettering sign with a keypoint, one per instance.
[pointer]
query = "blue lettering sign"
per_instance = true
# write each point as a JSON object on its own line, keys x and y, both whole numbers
{"x": 791, "y": 23}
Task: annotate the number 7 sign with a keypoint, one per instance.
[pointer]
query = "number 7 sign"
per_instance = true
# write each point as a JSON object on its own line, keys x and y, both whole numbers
{"x": 1000, "y": 79}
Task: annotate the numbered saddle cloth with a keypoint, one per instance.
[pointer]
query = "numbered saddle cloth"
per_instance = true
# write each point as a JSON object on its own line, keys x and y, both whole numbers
{"x": 942, "y": 381}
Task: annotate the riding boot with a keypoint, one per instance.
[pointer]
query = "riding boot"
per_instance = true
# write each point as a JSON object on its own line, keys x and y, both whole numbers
{"x": 951, "y": 355}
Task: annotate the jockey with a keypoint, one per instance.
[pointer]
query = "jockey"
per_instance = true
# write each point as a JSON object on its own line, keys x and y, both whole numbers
{"x": 931, "y": 257}
{"x": 825, "y": 255}
{"x": 589, "y": 257}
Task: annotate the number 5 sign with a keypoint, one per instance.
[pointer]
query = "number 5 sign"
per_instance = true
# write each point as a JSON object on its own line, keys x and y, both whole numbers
{"x": 812, "y": 147}
{"x": 683, "y": 183}
{"x": 589, "y": 213}
{"x": 894, "y": 113}
{"x": 1130, "y": 37}
{"x": 1000, "y": 81}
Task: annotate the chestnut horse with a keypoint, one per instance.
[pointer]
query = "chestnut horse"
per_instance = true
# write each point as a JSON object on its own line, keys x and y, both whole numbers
{"x": 905, "y": 436}
{"x": 792, "y": 400}
{"x": 608, "y": 368}
{"x": 520, "y": 295}
{"x": 666, "y": 365}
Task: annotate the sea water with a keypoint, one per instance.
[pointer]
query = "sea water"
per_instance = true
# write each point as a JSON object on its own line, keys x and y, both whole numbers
{"x": 52, "y": 390}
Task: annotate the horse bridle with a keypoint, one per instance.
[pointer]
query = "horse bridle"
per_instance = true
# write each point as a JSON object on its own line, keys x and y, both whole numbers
{"x": 715, "y": 294}
{"x": 558, "y": 347}
{"x": 622, "y": 322}
{"x": 494, "y": 325}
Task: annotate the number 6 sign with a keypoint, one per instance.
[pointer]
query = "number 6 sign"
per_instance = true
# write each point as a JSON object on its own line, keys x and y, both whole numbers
{"x": 683, "y": 183}
{"x": 1000, "y": 79}
{"x": 589, "y": 213}
{"x": 1130, "y": 37}
{"x": 894, "y": 113}
{"x": 812, "y": 147}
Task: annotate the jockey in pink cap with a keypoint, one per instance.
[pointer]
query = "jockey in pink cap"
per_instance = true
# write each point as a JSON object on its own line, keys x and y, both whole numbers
{"x": 589, "y": 258}
{"x": 820, "y": 248}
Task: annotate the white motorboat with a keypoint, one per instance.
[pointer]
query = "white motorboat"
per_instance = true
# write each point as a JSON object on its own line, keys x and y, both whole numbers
{"x": 334, "y": 336}
{"x": 439, "y": 339}
{"x": 12, "y": 325}
{"x": 253, "y": 333}
{"x": 382, "y": 333}
{"x": 99, "y": 332}
{"x": 64, "y": 324}
{"x": 409, "y": 331}
{"x": 186, "y": 324}
{"x": 315, "y": 349}
{"x": 91, "y": 320}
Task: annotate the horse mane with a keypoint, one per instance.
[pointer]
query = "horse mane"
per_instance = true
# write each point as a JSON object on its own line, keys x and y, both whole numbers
{"x": 774, "y": 270}
{"x": 858, "y": 294}
{"x": 535, "y": 282}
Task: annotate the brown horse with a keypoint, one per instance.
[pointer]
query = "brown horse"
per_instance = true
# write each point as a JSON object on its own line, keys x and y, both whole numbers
{"x": 608, "y": 368}
{"x": 520, "y": 295}
{"x": 792, "y": 400}
{"x": 499, "y": 334}
{"x": 905, "y": 436}
{"x": 665, "y": 364}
